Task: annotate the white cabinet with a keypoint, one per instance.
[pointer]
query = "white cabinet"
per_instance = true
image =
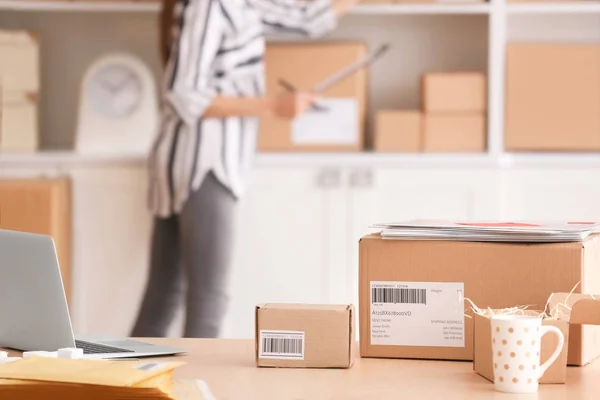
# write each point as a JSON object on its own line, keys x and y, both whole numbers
{"x": 283, "y": 243}
{"x": 299, "y": 225}
{"x": 111, "y": 228}
{"x": 552, "y": 194}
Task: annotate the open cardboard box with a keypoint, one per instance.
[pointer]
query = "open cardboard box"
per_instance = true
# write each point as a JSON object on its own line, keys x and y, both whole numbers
{"x": 569, "y": 311}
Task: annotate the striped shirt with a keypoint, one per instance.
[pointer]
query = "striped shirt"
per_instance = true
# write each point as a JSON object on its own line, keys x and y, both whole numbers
{"x": 218, "y": 50}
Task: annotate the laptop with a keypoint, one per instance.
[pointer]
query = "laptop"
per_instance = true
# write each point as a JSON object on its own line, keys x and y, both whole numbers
{"x": 33, "y": 307}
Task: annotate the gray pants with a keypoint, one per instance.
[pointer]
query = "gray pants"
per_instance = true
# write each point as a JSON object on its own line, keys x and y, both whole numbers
{"x": 190, "y": 257}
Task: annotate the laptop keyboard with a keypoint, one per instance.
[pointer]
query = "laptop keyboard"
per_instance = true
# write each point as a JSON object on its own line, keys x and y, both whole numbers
{"x": 95, "y": 348}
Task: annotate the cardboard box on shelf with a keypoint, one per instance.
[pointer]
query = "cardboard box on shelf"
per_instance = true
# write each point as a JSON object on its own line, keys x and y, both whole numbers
{"x": 341, "y": 126}
{"x": 18, "y": 122}
{"x": 19, "y": 61}
{"x": 452, "y": 133}
{"x": 552, "y": 97}
{"x": 454, "y": 92}
{"x": 421, "y": 313}
{"x": 585, "y": 309}
{"x": 398, "y": 131}
{"x": 305, "y": 335}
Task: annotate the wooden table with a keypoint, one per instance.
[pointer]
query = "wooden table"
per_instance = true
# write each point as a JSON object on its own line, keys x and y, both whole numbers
{"x": 228, "y": 367}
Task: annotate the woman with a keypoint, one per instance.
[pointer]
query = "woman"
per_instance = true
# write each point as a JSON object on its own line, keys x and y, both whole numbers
{"x": 214, "y": 94}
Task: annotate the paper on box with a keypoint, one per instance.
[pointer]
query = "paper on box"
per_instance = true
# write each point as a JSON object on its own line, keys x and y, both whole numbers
{"x": 496, "y": 275}
{"x": 334, "y": 125}
{"x": 304, "y": 335}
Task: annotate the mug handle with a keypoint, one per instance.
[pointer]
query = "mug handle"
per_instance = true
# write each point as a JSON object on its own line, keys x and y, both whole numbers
{"x": 561, "y": 342}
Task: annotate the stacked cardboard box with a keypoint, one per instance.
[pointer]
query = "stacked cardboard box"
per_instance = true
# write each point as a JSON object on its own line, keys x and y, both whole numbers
{"x": 453, "y": 119}
{"x": 455, "y": 105}
{"x": 19, "y": 87}
{"x": 340, "y": 126}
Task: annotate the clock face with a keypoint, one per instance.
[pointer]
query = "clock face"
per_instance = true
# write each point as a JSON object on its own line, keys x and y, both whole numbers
{"x": 115, "y": 91}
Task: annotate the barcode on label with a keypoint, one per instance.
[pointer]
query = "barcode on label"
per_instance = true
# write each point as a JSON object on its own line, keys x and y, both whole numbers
{"x": 282, "y": 345}
{"x": 399, "y": 296}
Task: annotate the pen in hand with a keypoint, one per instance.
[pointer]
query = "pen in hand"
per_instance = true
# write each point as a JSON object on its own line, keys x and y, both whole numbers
{"x": 291, "y": 88}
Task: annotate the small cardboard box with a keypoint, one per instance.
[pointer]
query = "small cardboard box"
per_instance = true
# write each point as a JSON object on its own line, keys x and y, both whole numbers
{"x": 19, "y": 61}
{"x": 552, "y": 97}
{"x": 482, "y": 349}
{"x": 429, "y": 323}
{"x": 341, "y": 126}
{"x": 585, "y": 310}
{"x": 305, "y": 336}
{"x": 18, "y": 122}
{"x": 398, "y": 131}
{"x": 454, "y": 92}
{"x": 454, "y": 133}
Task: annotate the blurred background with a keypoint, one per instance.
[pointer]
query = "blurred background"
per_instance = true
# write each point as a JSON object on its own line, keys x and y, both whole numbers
{"x": 480, "y": 111}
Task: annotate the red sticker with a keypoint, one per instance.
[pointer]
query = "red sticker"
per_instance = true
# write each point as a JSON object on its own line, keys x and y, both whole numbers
{"x": 499, "y": 224}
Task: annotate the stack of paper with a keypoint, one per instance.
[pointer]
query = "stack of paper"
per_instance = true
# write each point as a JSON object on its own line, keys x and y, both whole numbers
{"x": 534, "y": 232}
{"x": 65, "y": 379}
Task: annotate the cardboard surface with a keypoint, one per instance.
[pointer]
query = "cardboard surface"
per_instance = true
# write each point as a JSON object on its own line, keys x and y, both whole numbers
{"x": 454, "y": 92}
{"x": 295, "y": 62}
{"x": 19, "y": 61}
{"x": 18, "y": 122}
{"x": 398, "y": 131}
{"x": 496, "y": 275}
{"x": 327, "y": 335}
{"x": 454, "y": 133}
{"x": 584, "y": 314}
{"x": 553, "y": 97}
{"x": 41, "y": 206}
{"x": 482, "y": 357}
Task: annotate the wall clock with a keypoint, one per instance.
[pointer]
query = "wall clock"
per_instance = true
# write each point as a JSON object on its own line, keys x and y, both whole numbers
{"x": 117, "y": 107}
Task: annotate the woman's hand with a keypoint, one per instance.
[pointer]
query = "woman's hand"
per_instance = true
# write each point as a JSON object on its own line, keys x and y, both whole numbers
{"x": 290, "y": 105}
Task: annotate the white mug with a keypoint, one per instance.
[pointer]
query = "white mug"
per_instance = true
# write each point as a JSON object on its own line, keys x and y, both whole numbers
{"x": 516, "y": 343}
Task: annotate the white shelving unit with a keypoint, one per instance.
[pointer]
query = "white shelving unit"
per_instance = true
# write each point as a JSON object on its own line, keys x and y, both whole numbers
{"x": 86, "y": 6}
{"x": 476, "y": 34}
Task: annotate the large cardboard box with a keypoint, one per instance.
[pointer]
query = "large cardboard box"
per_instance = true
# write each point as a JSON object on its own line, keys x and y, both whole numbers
{"x": 398, "y": 131}
{"x": 305, "y": 335}
{"x": 421, "y": 313}
{"x": 454, "y": 133}
{"x": 41, "y": 206}
{"x": 553, "y": 97}
{"x": 19, "y": 61}
{"x": 454, "y": 92}
{"x": 18, "y": 122}
{"x": 304, "y": 65}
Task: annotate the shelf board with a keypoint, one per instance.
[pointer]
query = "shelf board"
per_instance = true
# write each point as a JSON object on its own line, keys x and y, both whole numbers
{"x": 360, "y": 159}
{"x": 86, "y": 6}
{"x": 382, "y": 9}
{"x": 138, "y": 6}
{"x": 583, "y": 7}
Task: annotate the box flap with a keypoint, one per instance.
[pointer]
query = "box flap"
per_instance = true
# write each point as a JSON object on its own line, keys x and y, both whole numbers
{"x": 581, "y": 309}
{"x": 316, "y": 307}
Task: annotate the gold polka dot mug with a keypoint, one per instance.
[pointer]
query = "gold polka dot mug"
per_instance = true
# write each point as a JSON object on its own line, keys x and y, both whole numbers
{"x": 516, "y": 343}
